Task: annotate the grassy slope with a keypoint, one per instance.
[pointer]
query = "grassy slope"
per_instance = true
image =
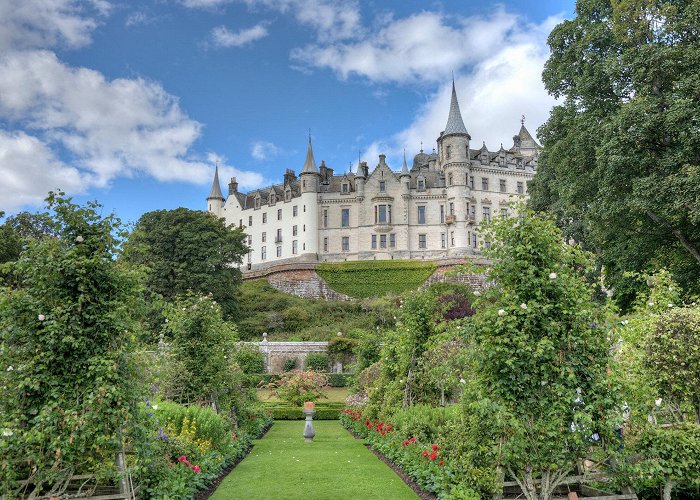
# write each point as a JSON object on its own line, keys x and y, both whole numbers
{"x": 335, "y": 466}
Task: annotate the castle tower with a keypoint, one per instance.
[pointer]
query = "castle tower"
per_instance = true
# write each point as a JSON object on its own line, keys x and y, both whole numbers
{"x": 405, "y": 175}
{"x": 215, "y": 200}
{"x": 453, "y": 157}
{"x": 310, "y": 177}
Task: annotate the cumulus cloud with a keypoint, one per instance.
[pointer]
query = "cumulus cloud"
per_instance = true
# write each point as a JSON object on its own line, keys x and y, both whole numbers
{"x": 246, "y": 179}
{"x": 26, "y": 24}
{"x": 263, "y": 150}
{"x": 493, "y": 94}
{"x": 107, "y": 128}
{"x": 223, "y": 37}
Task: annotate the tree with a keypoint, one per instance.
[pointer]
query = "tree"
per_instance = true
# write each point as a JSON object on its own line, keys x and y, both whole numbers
{"x": 68, "y": 379}
{"x": 621, "y": 160}
{"x": 541, "y": 356}
{"x": 16, "y": 231}
{"x": 188, "y": 250}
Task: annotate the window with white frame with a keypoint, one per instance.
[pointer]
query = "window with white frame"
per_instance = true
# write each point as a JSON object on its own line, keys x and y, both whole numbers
{"x": 422, "y": 241}
{"x": 295, "y": 210}
{"x": 263, "y": 253}
{"x": 374, "y": 242}
{"x": 421, "y": 214}
{"x": 502, "y": 185}
{"x": 278, "y": 237}
{"x": 265, "y": 218}
{"x": 279, "y": 251}
{"x": 294, "y": 230}
{"x": 521, "y": 187}
{"x": 486, "y": 213}
{"x": 382, "y": 241}
{"x": 392, "y": 240}
{"x": 382, "y": 214}
{"x": 294, "y": 247}
{"x": 345, "y": 217}
{"x": 263, "y": 236}
{"x": 443, "y": 240}
{"x": 484, "y": 183}
{"x": 345, "y": 242}
{"x": 250, "y": 221}
{"x": 382, "y": 186}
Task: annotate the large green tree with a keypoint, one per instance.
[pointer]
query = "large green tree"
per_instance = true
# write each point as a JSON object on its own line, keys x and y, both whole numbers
{"x": 18, "y": 229}
{"x": 188, "y": 250}
{"x": 621, "y": 159}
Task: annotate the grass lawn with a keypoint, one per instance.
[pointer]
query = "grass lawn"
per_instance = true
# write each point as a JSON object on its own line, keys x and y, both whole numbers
{"x": 334, "y": 395}
{"x": 335, "y": 466}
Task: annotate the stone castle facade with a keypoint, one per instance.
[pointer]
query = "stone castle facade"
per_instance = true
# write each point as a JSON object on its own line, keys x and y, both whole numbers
{"x": 431, "y": 210}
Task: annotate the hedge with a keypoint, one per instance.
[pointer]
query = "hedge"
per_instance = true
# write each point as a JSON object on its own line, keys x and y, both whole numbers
{"x": 323, "y": 412}
{"x": 339, "y": 379}
{"x": 375, "y": 278}
{"x": 334, "y": 379}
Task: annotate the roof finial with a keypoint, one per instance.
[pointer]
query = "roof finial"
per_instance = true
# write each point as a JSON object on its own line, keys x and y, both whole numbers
{"x": 404, "y": 167}
{"x": 309, "y": 135}
{"x": 421, "y": 146}
{"x": 522, "y": 120}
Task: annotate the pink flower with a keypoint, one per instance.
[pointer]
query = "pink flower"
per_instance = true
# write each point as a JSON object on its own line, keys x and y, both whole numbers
{"x": 425, "y": 453}
{"x": 182, "y": 458}
{"x": 196, "y": 469}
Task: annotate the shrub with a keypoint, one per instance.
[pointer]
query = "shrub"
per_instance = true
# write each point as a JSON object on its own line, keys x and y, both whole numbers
{"x": 250, "y": 360}
{"x": 316, "y": 361}
{"x": 289, "y": 364}
{"x": 339, "y": 379}
{"x": 295, "y": 413}
{"x": 295, "y": 318}
{"x": 298, "y": 386}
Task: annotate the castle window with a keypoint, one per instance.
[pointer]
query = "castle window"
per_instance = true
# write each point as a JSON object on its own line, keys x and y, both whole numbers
{"x": 484, "y": 184}
{"x": 487, "y": 244}
{"x": 502, "y": 184}
{"x": 448, "y": 150}
{"x": 295, "y": 210}
{"x": 421, "y": 184}
{"x": 519, "y": 163}
{"x": 443, "y": 240}
{"x": 521, "y": 188}
{"x": 303, "y": 184}
{"x": 272, "y": 200}
{"x": 263, "y": 253}
{"x": 472, "y": 211}
{"x": 486, "y": 213}
{"x": 474, "y": 240}
{"x": 345, "y": 242}
{"x": 471, "y": 182}
{"x": 442, "y": 214}
{"x": 382, "y": 214}
{"x": 421, "y": 215}
{"x": 325, "y": 217}
{"x": 294, "y": 247}
{"x": 344, "y": 188}
{"x": 287, "y": 195}
{"x": 392, "y": 240}
{"x": 452, "y": 238}
{"x": 382, "y": 241}
{"x": 325, "y": 244}
{"x": 294, "y": 230}
{"x": 278, "y": 238}
{"x": 502, "y": 160}
{"x": 504, "y": 212}
{"x": 449, "y": 179}
{"x": 484, "y": 158}
{"x": 345, "y": 217}
{"x": 264, "y": 217}
{"x": 257, "y": 202}
{"x": 263, "y": 237}
{"x": 279, "y": 251}
{"x": 382, "y": 186}
{"x": 452, "y": 208}
{"x": 250, "y": 240}
{"x": 250, "y": 221}
{"x": 422, "y": 241}
{"x": 240, "y": 222}
{"x": 279, "y": 214}
{"x": 374, "y": 242}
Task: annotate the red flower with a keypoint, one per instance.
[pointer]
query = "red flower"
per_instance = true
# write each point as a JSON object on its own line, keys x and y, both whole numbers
{"x": 388, "y": 427}
{"x": 233, "y": 436}
{"x": 196, "y": 469}
{"x": 367, "y": 422}
{"x": 182, "y": 458}
{"x": 442, "y": 462}
{"x": 435, "y": 447}
{"x": 425, "y": 453}
{"x": 412, "y": 440}
{"x": 405, "y": 443}
{"x": 433, "y": 455}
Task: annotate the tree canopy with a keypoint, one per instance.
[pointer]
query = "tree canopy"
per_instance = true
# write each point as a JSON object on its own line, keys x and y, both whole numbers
{"x": 621, "y": 160}
{"x": 188, "y": 250}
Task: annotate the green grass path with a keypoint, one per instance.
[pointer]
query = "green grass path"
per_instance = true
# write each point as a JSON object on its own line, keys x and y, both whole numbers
{"x": 335, "y": 466}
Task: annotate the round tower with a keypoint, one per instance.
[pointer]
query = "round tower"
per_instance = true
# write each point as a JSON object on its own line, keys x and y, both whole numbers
{"x": 309, "y": 178}
{"x": 453, "y": 158}
{"x": 216, "y": 200}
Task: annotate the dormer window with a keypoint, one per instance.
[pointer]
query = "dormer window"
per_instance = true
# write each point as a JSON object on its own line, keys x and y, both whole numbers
{"x": 382, "y": 186}
{"x": 502, "y": 160}
{"x": 420, "y": 184}
{"x": 272, "y": 199}
{"x": 288, "y": 195}
{"x": 484, "y": 158}
{"x": 257, "y": 201}
{"x": 344, "y": 187}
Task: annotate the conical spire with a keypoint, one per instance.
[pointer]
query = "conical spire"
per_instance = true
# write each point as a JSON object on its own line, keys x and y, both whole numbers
{"x": 404, "y": 168}
{"x": 455, "y": 124}
{"x": 215, "y": 193}
{"x": 309, "y": 164}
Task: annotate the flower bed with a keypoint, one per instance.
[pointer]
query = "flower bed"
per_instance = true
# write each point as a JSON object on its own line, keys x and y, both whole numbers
{"x": 424, "y": 462}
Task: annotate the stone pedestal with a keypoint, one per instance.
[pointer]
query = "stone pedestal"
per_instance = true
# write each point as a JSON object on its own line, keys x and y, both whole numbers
{"x": 309, "y": 412}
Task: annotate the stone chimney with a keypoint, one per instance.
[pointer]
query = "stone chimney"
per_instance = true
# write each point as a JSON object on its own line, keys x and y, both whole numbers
{"x": 289, "y": 176}
{"x": 382, "y": 159}
{"x": 232, "y": 186}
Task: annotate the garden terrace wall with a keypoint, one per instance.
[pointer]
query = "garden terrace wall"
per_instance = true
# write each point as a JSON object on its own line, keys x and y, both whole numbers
{"x": 277, "y": 353}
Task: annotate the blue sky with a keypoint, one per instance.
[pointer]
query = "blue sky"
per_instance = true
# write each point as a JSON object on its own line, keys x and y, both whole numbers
{"x": 133, "y": 103}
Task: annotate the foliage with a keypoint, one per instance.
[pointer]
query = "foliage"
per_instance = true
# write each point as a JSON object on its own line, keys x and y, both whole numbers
{"x": 316, "y": 361}
{"x": 297, "y": 386}
{"x": 69, "y": 379}
{"x": 541, "y": 358}
{"x": 375, "y": 278}
{"x": 188, "y": 250}
{"x": 289, "y": 364}
{"x": 200, "y": 362}
{"x": 250, "y": 360}
{"x": 323, "y": 412}
{"x": 339, "y": 379}
{"x": 620, "y": 164}
{"x": 285, "y": 316}
{"x": 18, "y": 229}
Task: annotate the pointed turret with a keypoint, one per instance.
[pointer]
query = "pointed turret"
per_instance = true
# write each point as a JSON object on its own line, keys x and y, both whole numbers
{"x": 215, "y": 192}
{"x": 309, "y": 164}
{"x": 524, "y": 143}
{"x": 455, "y": 124}
{"x": 404, "y": 167}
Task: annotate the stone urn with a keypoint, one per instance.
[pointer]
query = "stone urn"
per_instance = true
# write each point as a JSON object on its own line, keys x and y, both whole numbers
{"x": 309, "y": 412}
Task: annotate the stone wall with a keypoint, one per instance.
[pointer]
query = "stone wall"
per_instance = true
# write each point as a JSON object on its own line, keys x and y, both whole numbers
{"x": 277, "y": 353}
{"x": 475, "y": 281}
{"x": 304, "y": 283}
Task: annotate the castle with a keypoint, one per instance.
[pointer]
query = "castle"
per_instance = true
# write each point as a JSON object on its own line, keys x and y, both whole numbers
{"x": 431, "y": 210}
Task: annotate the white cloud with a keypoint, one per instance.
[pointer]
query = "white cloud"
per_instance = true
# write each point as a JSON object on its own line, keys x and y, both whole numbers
{"x": 263, "y": 150}
{"x": 204, "y": 4}
{"x": 28, "y": 24}
{"x": 246, "y": 179}
{"x": 222, "y": 37}
{"x": 106, "y": 128}
{"x": 29, "y": 170}
{"x": 138, "y": 18}
{"x": 493, "y": 94}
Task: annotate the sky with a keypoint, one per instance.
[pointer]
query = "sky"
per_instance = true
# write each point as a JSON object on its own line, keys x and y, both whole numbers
{"x": 134, "y": 103}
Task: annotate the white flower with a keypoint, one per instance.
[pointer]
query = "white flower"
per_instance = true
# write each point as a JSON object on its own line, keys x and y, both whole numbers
{"x": 650, "y": 303}
{"x": 658, "y": 401}
{"x": 574, "y": 427}
{"x": 552, "y": 276}
{"x": 595, "y": 436}
{"x": 155, "y": 407}
{"x": 339, "y": 334}
{"x": 10, "y": 368}
{"x": 501, "y": 312}
{"x": 624, "y": 321}
{"x": 7, "y": 433}
{"x": 41, "y": 317}
{"x": 79, "y": 239}
{"x": 578, "y": 390}
{"x": 523, "y": 306}
{"x": 462, "y": 381}
{"x": 477, "y": 293}
{"x": 166, "y": 320}
{"x": 670, "y": 305}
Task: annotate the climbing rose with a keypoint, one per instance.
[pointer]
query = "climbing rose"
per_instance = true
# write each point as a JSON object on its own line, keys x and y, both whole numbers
{"x": 182, "y": 458}
{"x": 79, "y": 239}
{"x": 552, "y": 276}
{"x": 425, "y": 453}
{"x": 435, "y": 447}
{"x": 523, "y": 306}
{"x": 501, "y": 312}
{"x": 433, "y": 455}
{"x": 41, "y": 317}
{"x": 196, "y": 469}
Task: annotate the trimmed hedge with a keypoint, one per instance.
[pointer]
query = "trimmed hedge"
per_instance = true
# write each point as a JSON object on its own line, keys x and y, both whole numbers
{"x": 329, "y": 411}
{"x": 375, "y": 278}
{"x": 339, "y": 379}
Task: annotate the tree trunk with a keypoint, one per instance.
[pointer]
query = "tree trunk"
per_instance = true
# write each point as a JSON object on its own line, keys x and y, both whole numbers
{"x": 668, "y": 486}
{"x": 687, "y": 244}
